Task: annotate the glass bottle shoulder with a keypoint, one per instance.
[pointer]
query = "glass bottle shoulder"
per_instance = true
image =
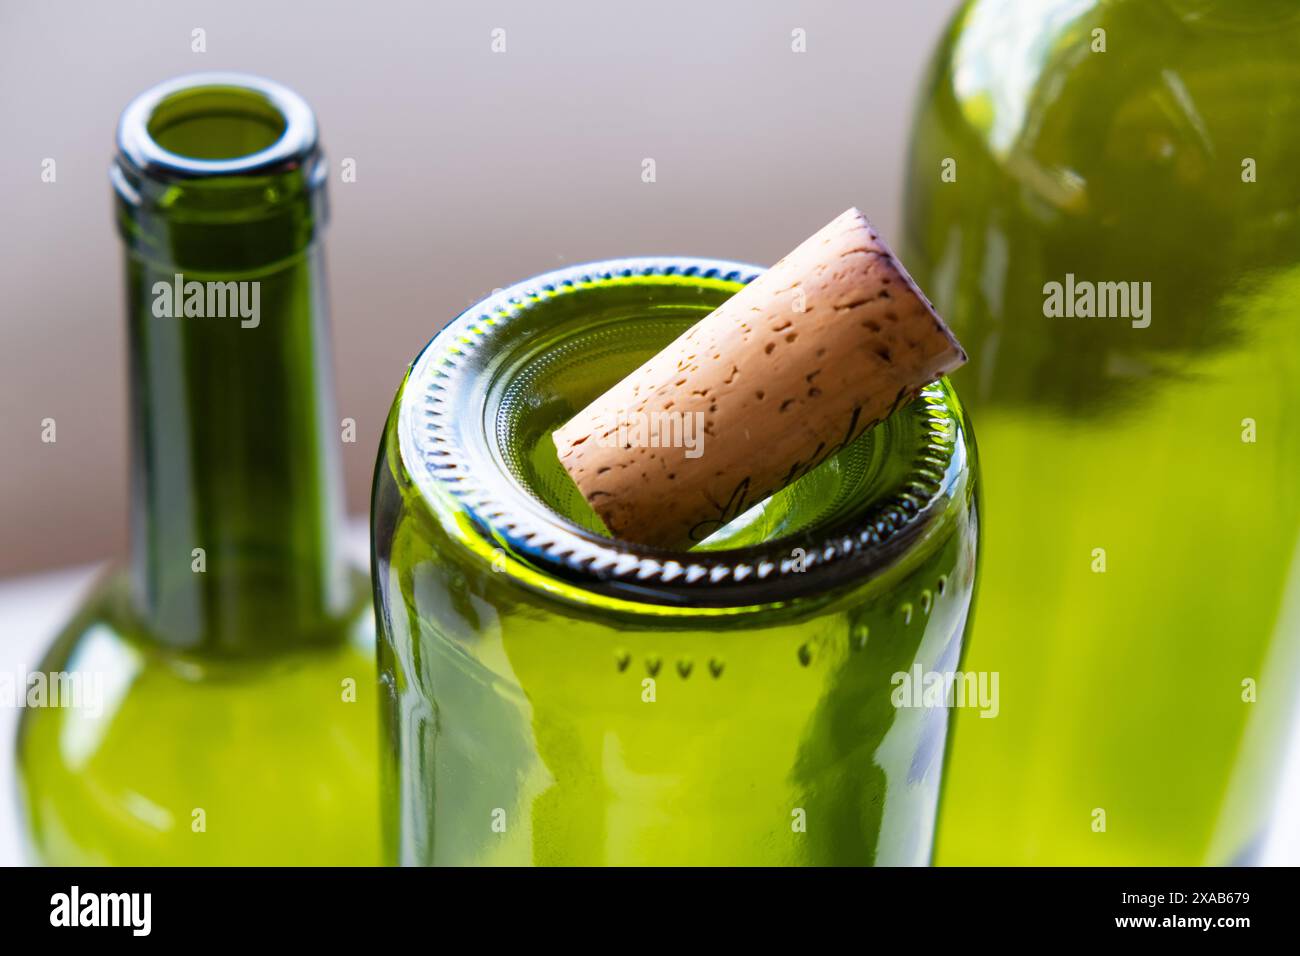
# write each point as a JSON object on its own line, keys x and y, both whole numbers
{"x": 132, "y": 738}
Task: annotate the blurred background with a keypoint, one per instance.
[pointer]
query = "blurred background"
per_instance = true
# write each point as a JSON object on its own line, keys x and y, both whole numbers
{"x": 473, "y": 169}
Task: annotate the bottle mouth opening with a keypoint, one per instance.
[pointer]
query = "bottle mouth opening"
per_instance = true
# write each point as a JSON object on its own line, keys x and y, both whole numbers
{"x": 482, "y": 400}
{"x": 216, "y": 124}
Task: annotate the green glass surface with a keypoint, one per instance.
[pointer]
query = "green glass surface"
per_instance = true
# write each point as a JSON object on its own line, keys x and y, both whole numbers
{"x": 1124, "y": 689}
{"x": 239, "y": 716}
{"x": 516, "y": 725}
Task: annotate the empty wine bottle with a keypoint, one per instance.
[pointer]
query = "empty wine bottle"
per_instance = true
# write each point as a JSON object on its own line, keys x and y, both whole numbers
{"x": 1103, "y": 204}
{"x": 555, "y": 696}
{"x": 228, "y": 713}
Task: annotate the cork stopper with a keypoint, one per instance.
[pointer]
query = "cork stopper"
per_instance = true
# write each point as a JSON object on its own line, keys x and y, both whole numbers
{"x": 827, "y": 343}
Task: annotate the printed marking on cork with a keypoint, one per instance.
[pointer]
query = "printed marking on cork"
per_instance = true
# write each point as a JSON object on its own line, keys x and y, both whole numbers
{"x": 825, "y": 345}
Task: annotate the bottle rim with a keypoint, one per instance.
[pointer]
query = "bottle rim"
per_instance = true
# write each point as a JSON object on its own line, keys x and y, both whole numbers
{"x": 456, "y": 477}
{"x": 297, "y": 141}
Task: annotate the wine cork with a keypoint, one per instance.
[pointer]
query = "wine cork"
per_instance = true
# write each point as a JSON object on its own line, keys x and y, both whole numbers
{"x": 827, "y": 343}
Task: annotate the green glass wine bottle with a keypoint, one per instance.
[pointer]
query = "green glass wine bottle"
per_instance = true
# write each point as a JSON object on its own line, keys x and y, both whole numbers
{"x": 557, "y": 697}
{"x": 233, "y": 717}
{"x": 1141, "y": 590}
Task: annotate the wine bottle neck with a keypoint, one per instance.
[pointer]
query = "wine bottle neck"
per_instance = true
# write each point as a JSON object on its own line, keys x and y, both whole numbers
{"x": 236, "y": 504}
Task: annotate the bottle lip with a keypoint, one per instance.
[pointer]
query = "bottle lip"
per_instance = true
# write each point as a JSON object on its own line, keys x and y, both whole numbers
{"x": 296, "y": 143}
{"x": 454, "y": 475}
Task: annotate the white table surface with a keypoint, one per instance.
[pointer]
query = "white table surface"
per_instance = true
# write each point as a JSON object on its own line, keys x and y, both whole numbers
{"x": 33, "y": 608}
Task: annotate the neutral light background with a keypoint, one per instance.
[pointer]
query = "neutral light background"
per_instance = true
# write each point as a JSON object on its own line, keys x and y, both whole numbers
{"x": 474, "y": 170}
